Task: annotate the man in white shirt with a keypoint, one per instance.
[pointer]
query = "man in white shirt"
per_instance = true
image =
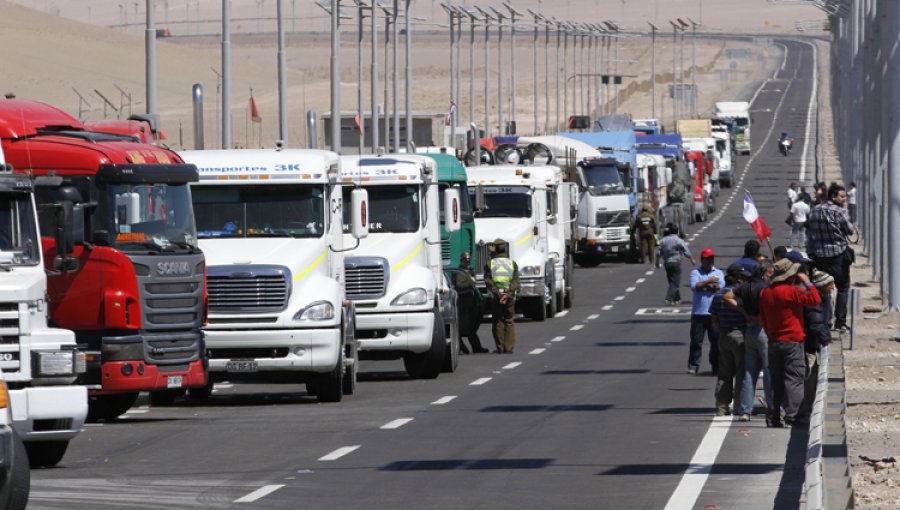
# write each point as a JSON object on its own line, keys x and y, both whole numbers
{"x": 851, "y": 201}
{"x": 792, "y": 194}
{"x": 799, "y": 216}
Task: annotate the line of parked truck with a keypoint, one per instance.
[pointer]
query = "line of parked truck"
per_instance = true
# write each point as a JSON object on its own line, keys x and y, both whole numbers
{"x": 126, "y": 267}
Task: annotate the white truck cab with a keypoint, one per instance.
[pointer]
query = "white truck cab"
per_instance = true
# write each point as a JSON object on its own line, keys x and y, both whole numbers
{"x": 40, "y": 364}
{"x": 395, "y": 276}
{"x": 723, "y": 151}
{"x": 517, "y": 204}
{"x": 270, "y": 225}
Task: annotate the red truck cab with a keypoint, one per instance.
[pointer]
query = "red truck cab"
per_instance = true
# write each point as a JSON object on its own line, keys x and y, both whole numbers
{"x": 700, "y": 168}
{"x": 125, "y": 272}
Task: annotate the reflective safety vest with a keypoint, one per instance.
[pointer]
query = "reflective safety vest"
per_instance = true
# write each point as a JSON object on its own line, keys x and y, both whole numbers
{"x": 502, "y": 273}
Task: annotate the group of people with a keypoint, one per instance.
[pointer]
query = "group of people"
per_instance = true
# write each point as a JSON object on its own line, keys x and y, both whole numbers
{"x": 766, "y": 316}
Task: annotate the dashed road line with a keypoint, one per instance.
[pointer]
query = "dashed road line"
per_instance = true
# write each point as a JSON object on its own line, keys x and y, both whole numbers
{"x": 563, "y": 313}
{"x": 607, "y": 307}
{"x": 558, "y": 339}
{"x": 258, "y": 494}
{"x": 649, "y": 273}
{"x": 539, "y": 350}
{"x": 618, "y": 298}
{"x": 510, "y": 366}
{"x": 593, "y": 316}
{"x": 630, "y": 289}
{"x": 640, "y": 280}
{"x": 694, "y": 478}
{"x": 136, "y": 411}
{"x": 340, "y": 452}
{"x": 443, "y": 400}
{"x": 396, "y": 424}
{"x": 576, "y": 327}
{"x": 479, "y": 382}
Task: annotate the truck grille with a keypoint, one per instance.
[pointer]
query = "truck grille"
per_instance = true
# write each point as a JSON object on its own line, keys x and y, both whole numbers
{"x": 366, "y": 277}
{"x": 9, "y": 337}
{"x": 446, "y": 252}
{"x": 170, "y": 301}
{"x": 251, "y": 289}
{"x": 612, "y": 219}
{"x": 481, "y": 259}
{"x": 170, "y": 349}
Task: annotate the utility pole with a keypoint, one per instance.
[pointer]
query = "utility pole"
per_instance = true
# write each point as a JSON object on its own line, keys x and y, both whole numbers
{"x": 500, "y": 98}
{"x": 674, "y": 71}
{"x": 408, "y": 82}
{"x": 373, "y": 80}
{"x": 534, "y": 74}
{"x": 335, "y": 77}
{"x": 360, "y": 102}
{"x": 652, "y": 69}
{"x": 396, "y": 76}
{"x": 451, "y": 12}
{"x": 226, "y": 74}
{"x": 512, "y": 57}
{"x": 150, "y": 62}
{"x": 474, "y": 17}
{"x": 694, "y": 65}
{"x": 282, "y": 78}
{"x": 487, "y": 39}
{"x": 559, "y": 31}
{"x": 546, "y": 74}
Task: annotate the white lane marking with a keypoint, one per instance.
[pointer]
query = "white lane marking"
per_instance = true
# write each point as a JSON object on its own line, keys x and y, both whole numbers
{"x": 136, "y": 411}
{"x": 809, "y": 111}
{"x": 618, "y": 298}
{"x": 563, "y": 313}
{"x": 593, "y": 316}
{"x": 649, "y": 273}
{"x": 576, "y": 327}
{"x": 640, "y": 280}
{"x": 479, "y": 382}
{"x": 93, "y": 424}
{"x": 685, "y": 495}
{"x": 340, "y": 452}
{"x": 443, "y": 400}
{"x": 223, "y": 386}
{"x": 258, "y": 494}
{"x": 396, "y": 424}
{"x": 558, "y": 339}
{"x": 630, "y": 289}
{"x": 607, "y": 307}
{"x": 510, "y": 366}
{"x": 537, "y": 351}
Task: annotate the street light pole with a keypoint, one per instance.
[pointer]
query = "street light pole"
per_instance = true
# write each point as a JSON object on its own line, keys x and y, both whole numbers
{"x": 408, "y": 83}
{"x": 566, "y": 74}
{"x": 335, "y": 77}
{"x": 694, "y": 66}
{"x": 500, "y": 99}
{"x": 282, "y": 78}
{"x": 453, "y": 68}
{"x": 512, "y": 57}
{"x": 474, "y": 17}
{"x": 534, "y": 74}
{"x": 681, "y": 73}
{"x": 360, "y": 112}
{"x": 652, "y": 69}
{"x": 559, "y": 30}
{"x": 226, "y": 74}
{"x": 674, "y": 75}
{"x": 396, "y": 77}
{"x": 373, "y": 80}
{"x": 487, "y": 40}
{"x": 546, "y": 74}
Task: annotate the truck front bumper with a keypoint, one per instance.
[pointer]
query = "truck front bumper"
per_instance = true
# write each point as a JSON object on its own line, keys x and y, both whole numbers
{"x": 49, "y": 413}
{"x": 531, "y": 287}
{"x": 131, "y": 376}
{"x": 410, "y": 331}
{"x": 274, "y": 350}
{"x": 597, "y": 247}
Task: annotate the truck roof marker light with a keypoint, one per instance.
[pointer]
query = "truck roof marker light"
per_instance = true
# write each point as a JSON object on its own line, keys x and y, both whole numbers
{"x": 402, "y": 177}
{"x": 519, "y": 171}
{"x": 243, "y": 177}
{"x": 223, "y": 178}
{"x": 264, "y": 177}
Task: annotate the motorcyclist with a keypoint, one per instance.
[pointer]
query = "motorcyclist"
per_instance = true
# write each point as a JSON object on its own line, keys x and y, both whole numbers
{"x": 785, "y": 142}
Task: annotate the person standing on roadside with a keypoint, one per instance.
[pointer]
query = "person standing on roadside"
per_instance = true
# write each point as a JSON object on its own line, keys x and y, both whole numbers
{"x": 671, "y": 251}
{"x": 646, "y": 222}
{"x": 745, "y": 297}
{"x": 829, "y": 227}
{"x": 781, "y": 310}
{"x": 731, "y": 325}
{"x": 469, "y": 304}
{"x": 791, "y": 195}
{"x": 706, "y": 280}
{"x": 501, "y": 277}
{"x": 851, "y": 202}
{"x": 815, "y": 325}
{"x": 799, "y": 215}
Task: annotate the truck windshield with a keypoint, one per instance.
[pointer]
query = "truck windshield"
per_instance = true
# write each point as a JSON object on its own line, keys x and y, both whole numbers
{"x": 506, "y": 202}
{"x": 392, "y": 209}
{"x": 150, "y": 217}
{"x": 18, "y": 231}
{"x": 259, "y": 211}
{"x": 603, "y": 180}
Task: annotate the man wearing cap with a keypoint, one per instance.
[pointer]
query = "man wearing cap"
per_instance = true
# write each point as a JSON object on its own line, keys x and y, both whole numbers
{"x": 671, "y": 251}
{"x": 781, "y": 310}
{"x": 706, "y": 280}
{"x": 501, "y": 277}
{"x": 731, "y": 325}
{"x": 647, "y": 226}
{"x": 469, "y": 304}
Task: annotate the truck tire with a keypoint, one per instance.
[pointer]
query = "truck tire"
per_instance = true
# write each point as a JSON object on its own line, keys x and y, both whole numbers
{"x": 451, "y": 356}
{"x": 536, "y": 309}
{"x": 569, "y": 295}
{"x": 330, "y": 385}
{"x": 110, "y": 407}
{"x": 202, "y": 392}
{"x": 351, "y": 352}
{"x": 551, "y": 306}
{"x": 20, "y": 478}
{"x": 43, "y": 454}
{"x": 165, "y": 398}
{"x": 427, "y": 365}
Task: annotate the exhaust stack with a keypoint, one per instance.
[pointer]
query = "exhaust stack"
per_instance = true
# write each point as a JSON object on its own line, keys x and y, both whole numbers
{"x": 197, "y": 99}
{"x": 311, "y": 129}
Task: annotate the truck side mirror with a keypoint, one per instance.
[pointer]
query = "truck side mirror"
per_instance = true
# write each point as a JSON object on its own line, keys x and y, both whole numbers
{"x": 452, "y": 220}
{"x": 479, "y": 198}
{"x": 554, "y": 207}
{"x": 642, "y": 185}
{"x": 100, "y": 238}
{"x": 359, "y": 226}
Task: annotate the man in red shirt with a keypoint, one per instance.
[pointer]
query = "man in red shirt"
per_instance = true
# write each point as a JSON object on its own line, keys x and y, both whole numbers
{"x": 781, "y": 312}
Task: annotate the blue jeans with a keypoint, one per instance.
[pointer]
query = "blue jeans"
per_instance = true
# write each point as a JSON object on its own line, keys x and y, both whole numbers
{"x": 756, "y": 360}
{"x": 673, "y": 276}
{"x": 702, "y": 325}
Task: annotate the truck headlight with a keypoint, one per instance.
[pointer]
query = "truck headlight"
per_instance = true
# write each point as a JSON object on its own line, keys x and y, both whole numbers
{"x": 412, "y": 297}
{"x": 318, "y": 311}
{"x": 530, "y": 270}
{"x": 53, "y": 363}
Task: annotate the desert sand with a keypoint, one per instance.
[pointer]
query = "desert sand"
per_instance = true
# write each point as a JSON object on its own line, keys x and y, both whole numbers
{"x": 51, "y": 49}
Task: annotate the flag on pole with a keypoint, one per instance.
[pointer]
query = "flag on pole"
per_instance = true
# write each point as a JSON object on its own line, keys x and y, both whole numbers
{"x": 254, "y": 110}
{"x": 359, "y": 125}
{"x": 754, "y": 219}
{"x": 449, "y": 119}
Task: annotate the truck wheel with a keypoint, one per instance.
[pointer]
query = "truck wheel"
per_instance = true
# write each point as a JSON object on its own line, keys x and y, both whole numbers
{"x": 537, "y": 312}
{"x": 165, "y": 398}
{"x": 451, "y": 356}
{"x": 45, "y": 453}
{"x": 350, "y": 373}
{"x": 427, "y": 365}
{"x": 202, "y": 392}
{"x": 330, "y": 386}
{"x": 110, "y": 407}
{"x": 569, "y": 294}
{"x": 551, "y": 306}
{"x": 20, "y": 478}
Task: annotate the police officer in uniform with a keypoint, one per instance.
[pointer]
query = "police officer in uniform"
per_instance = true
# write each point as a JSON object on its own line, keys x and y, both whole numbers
{"x": 646, "y": 222}
{"x": 469, "y": 304}
{"x": 501, "y": 277}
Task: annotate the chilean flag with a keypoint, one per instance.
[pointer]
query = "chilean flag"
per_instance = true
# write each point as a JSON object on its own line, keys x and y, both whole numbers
{"x": 755, "y": 220}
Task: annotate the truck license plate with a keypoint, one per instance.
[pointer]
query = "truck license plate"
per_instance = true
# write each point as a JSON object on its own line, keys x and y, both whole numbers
{"x": 614, "y": 249}
{"x": 174, "y": 381}
{"x": 242, "y": 366}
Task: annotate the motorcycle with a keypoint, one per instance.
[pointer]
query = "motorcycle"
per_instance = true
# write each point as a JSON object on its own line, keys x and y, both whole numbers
{"x": 785, "y": 146}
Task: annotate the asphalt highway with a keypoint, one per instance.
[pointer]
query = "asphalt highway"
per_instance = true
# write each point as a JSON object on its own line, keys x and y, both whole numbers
{"x": 594, "y": 410}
